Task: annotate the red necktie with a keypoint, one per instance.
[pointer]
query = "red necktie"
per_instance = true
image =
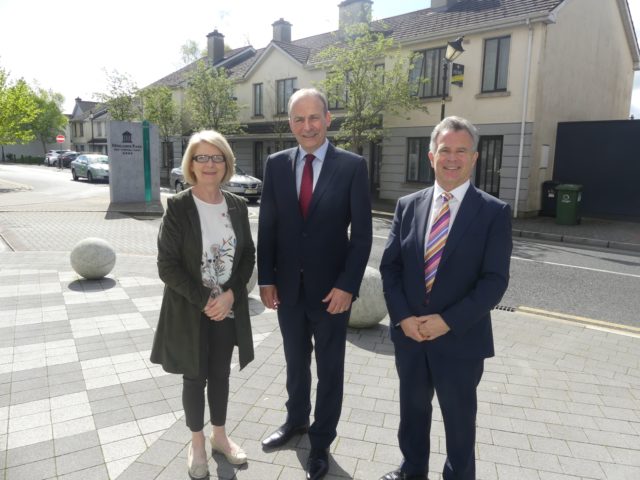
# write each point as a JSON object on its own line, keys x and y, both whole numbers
{"x": 306, "y": 185}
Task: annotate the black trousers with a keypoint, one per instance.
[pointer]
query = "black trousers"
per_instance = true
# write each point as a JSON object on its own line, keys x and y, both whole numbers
{"x": 455, "y": 382}
{"x": 302, "y": 328}
{"x": 217, "y": 340}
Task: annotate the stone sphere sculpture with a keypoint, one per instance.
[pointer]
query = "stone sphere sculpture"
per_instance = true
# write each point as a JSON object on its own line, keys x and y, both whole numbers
{"x": 93, "y": 258}
{"x": 369, "y": 309}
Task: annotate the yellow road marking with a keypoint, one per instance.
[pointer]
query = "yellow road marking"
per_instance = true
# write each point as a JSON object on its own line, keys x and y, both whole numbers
{"x": 578, "y": 319}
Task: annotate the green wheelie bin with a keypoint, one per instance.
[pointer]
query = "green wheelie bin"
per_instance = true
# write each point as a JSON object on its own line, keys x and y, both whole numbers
{"x": 568, "y": 203}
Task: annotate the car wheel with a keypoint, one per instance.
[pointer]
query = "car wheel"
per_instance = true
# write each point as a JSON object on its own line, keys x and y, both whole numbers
{"x": 89, "y": 177}
{"x": 73, "y": 174}
{"x": 179, "y": 186}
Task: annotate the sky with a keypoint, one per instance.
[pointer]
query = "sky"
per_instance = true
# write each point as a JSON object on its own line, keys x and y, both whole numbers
{"x": 67, "y": 45}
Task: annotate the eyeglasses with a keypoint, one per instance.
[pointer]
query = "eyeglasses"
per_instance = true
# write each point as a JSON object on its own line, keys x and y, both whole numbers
{"x": 206, "y": 158}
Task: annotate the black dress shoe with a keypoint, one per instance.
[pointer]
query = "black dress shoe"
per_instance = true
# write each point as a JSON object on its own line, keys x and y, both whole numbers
{"x": 318, "y": 464}
{"x": 398, "y": 475}
{"x": 283, "y": 434}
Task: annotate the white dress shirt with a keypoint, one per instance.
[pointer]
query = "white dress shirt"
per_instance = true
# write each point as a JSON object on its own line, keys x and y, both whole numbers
{"x": 320, "y": 153}
{"x": 436, "y": 204}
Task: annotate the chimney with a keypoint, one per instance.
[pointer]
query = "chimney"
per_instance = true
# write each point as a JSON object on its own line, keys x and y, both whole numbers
{"x": 281, "y": 31}
{"x": 215, "y": 47}
{"x": 353, "y": 12}
{"x": 443, "y": 3}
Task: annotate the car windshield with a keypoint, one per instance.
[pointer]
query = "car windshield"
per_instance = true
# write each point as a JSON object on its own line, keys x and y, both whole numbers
{"x": 98, "y": 159}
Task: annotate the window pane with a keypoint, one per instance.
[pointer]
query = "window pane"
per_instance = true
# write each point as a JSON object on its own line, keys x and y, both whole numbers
{"x": 426, "y": 175}
{"x": 433, "y": 73}
{"x": 503, "y": 63}
{"x": 418, "y": 167}
{"x": 416, "y": 72}
{"x": 413, "y": 159}
{"x": 490, "y": 59}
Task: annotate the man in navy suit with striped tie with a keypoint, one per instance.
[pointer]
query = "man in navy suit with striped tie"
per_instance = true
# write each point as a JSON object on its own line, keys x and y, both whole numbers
{"x": 445, "y": 266}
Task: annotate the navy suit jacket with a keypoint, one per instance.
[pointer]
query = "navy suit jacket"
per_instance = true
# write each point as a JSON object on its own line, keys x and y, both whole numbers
{"x": 319, "y": 247}
{"x": 472, "y": 276}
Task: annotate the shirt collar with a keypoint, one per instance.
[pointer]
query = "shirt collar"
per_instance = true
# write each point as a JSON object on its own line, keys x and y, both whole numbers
{"x": 458, "y": 193}
{"x": 320, "y": 153}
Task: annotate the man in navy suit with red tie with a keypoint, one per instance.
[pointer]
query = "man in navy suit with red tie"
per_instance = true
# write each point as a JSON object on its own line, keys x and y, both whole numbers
{"x": 445, "y": 266}
{"x": 314, "y": 239}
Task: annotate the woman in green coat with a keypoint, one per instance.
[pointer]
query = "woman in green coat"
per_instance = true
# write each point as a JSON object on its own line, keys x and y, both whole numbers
{"x": 205, "y": 258}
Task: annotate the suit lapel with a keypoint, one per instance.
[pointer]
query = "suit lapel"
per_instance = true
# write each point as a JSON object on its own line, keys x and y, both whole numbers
{"x": 466, "y": 213}
{"x": 420, "y": 217}
{"x": 290, "y": 174}
{"x": 329, "y": 167}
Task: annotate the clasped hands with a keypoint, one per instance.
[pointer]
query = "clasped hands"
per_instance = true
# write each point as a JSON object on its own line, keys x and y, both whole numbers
{"x": 424, "y": 328}
{"x": 218, "y": 308}
{"x": 338, "y": 301}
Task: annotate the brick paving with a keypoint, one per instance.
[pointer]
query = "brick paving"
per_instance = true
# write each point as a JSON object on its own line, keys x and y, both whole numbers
{"x": 80, "y": 400}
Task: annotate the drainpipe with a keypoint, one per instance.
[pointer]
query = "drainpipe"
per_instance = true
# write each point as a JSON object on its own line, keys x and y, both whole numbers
{"x": 525, "y": 102}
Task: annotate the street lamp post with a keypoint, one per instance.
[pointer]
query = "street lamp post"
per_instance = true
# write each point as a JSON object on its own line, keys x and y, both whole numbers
{"x": 454, "y": 49}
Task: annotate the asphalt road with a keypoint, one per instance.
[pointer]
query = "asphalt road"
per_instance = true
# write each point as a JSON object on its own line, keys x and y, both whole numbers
{"x": 597, "y": 284}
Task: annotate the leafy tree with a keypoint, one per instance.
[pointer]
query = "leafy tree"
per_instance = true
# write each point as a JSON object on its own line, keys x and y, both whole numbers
{"x": 160, "y": 108}
{"x": 190, "y": 52}
{"x": 121, "y": 98}
{"x": 50, "y": 120}
{"x": 359, "y": 82}
{"x": 211, "y": 101}
{"x": 18, "y": 109}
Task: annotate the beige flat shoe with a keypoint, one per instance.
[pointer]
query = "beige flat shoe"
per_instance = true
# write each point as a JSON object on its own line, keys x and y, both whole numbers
{"x": 237, "y": 457}
{"x": 196, "y": 470}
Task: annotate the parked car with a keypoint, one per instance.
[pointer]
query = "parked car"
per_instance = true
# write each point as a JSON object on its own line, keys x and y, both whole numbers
{"x": 241, "y": 184}
{"x": 66, "y": 158}
{"x": 51, "y": 157}
{"x": 93, "y": 166}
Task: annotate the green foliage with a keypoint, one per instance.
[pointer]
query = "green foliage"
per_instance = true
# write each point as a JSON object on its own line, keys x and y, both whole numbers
{"x": 367, "y": 77}
{"x": 18, "y": 109}
{"x": 121, "y": 98}
{"x": 210, "y": 100}
{"x": 50, "y": 121}
{"x": 190, "y": 52}
{"x": 159, "y": 108}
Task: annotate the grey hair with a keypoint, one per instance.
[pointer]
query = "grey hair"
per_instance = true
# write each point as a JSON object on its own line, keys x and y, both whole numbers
{"x": 309, "y": 92}
{"x": 454, "y": 124}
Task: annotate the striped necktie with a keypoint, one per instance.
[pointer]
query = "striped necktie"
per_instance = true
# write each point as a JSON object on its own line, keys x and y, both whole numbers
{"x": 435, "y": 244}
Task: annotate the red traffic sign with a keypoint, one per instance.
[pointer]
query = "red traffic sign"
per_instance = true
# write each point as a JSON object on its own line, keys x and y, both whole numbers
{"x": 60, "y": 139}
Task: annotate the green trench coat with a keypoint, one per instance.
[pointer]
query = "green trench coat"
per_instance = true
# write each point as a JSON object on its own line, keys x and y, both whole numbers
{"x": 176, "y": 344}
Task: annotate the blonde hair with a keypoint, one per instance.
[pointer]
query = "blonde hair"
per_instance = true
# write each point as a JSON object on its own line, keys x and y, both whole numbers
{"x": 217, "y": 140}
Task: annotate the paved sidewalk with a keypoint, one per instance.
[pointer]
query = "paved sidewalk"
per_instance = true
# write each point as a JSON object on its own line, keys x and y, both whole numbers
{"x": 80, "y": 400}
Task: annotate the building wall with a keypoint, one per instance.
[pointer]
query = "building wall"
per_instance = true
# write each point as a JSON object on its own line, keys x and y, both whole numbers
{"x": 393, "y": 182}
{"x": 468, "y": 101}
{"x": 493, "y": 114}
{"x": 276, "y": 65}
{"x": 586, "y": 73}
